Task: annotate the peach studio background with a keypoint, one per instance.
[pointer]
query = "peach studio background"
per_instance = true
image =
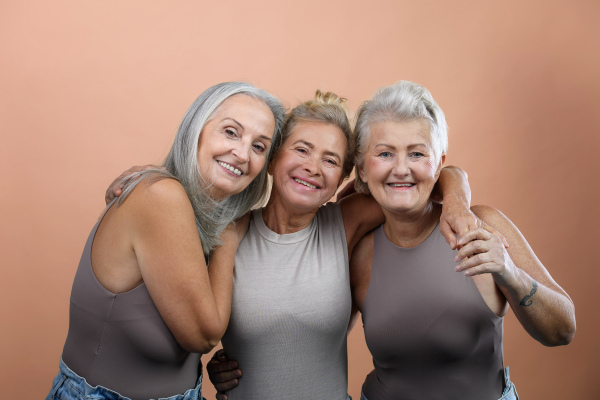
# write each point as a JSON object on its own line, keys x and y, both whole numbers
{"x": 89, "y": 88}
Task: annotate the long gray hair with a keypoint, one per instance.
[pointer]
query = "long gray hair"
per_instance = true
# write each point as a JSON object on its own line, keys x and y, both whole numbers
{"x": 403, "y": 101}
{"x": 182, "y": 163}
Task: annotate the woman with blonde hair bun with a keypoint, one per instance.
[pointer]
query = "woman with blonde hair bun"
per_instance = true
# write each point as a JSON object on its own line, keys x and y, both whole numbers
{"x": 291, "y": 301}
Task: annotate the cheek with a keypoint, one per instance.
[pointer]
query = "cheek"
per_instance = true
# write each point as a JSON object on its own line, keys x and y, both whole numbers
{"x": 258, "y": 162}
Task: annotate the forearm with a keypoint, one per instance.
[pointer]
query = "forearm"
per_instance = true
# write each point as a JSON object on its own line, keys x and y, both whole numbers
{"x": 548, "y": 316}
{"x": 220, "y": 272}
{"x": 453, "y": 185}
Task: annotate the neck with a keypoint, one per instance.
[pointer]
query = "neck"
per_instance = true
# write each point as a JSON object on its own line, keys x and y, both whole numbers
{"x": 411, "y": 229}
{"x": 282, "y": 219}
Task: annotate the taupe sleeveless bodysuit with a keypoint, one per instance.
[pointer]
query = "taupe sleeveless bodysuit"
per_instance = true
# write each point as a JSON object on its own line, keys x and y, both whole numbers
{"x": 431, "y": 334}
{"x": 120, "y": 341}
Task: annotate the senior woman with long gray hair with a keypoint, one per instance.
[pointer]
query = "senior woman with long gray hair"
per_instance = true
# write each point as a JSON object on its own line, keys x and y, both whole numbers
{"x": 434, "y": 328}
{"x": 143, "y": 304}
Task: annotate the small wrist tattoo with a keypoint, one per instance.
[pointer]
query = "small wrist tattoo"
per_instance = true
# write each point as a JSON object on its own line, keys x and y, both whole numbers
{"x": 527, "y": 299}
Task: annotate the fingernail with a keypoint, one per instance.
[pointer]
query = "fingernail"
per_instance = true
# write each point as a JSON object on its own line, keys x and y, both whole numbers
{"x": 456, "y": 258}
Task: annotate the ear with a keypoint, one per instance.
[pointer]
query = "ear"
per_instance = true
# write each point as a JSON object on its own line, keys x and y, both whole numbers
{"x": 361, "y": 173}
{"x": 439, "y": 168}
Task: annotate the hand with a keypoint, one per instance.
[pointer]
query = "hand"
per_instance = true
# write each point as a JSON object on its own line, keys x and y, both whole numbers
{"x": 458, "y": 219}
{"x": 223, "y": 373}
{"x": 236, "y": 230}
{"x": 348, "y": 190}
{"x": 116, "y": 187}
{"x": 485, "y": 253}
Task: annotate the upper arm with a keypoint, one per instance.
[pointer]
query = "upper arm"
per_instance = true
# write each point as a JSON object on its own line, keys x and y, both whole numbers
{"x": 519, "y": 250}
{"x": 361, "y": 214}
{"x": 171, "y": 260}
{"x": 360, "y": 270}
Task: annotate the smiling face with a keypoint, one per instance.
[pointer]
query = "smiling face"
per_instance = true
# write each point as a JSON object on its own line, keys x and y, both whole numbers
{"x": 400, "y": 166}
{"x": 233, "y": 145}
{"x": 308, "y": 168}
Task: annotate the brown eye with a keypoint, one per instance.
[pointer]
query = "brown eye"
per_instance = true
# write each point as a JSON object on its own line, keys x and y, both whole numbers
{"x": 259, "y": 147}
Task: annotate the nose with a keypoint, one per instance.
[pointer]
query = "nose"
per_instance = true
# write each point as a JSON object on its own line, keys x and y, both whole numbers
{"x": 241, "y": 150}
{"x": 401, "y": 166}
{"x": 311, "y": 165}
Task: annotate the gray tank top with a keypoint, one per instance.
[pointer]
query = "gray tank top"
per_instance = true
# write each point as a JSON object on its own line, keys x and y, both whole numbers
{"x": 290, "y": 311}
{"x": 120, "y": 341}
{"x": 431, "y": 334}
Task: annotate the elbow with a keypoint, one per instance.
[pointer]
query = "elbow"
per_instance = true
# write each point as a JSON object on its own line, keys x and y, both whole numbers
{"x": 563, "y": 335}
{"x": 566, "y": 335}
{"x": 198, "y": 344}
{"x": 199, "y": 341}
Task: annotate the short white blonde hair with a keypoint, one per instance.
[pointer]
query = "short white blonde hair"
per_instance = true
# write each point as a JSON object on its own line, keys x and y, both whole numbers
{"x": 403, "y": 101}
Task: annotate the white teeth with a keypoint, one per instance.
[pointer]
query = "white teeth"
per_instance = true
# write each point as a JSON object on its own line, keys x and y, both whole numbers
{"x": 401, "y": 184}
{"x": 305, "y": 183}
{"x": 229, "y": 167}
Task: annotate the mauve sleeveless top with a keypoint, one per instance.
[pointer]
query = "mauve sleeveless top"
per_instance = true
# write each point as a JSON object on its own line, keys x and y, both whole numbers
{"x": 431, "y": 334}
{"x": 120, "y": 341}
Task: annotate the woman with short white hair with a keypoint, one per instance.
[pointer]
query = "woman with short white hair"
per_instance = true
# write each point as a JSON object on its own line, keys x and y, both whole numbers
{"x": 434, "y": 328}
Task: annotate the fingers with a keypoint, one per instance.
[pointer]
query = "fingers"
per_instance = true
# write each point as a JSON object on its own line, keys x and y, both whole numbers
{"x": 449, "y": 234}
{"x": 474, "y": 234}
{"x": 485, "y": 268}
{"x": 223, "y": 373}
{"x": 459, "y": 221}
{"x": 222, "y": 368}
{"x": 227, "y": 384}
{"x": 222, "y": 396}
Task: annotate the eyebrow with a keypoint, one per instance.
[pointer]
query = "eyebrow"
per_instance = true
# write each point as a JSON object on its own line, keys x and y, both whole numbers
{"x": 312, "y": 146}
{"x": 394, "y": 147}
{"x": 264, "y": 137}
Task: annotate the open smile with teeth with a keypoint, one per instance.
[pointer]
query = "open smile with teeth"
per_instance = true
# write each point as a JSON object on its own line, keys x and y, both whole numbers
{"x": 401, "y": 184}
{"x": 230, "y": 168}
{"x": 300, "y": 181}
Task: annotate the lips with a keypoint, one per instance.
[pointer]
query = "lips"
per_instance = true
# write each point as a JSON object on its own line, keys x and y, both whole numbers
{"x": 307, "y": 184}
{"x": 231, "y": 168}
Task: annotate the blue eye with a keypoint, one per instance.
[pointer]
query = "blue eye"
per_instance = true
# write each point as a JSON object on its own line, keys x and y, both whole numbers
{"x": 417, "y": 154}
{"x": 385, "y": 154}
{"x": 230, "y": 132}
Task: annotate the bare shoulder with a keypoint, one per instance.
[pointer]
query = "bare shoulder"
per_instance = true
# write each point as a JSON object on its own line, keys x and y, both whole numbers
{"x": 164, "y": 195}
{"x": 486, "y": 213}
{"x": 159, "y": 190}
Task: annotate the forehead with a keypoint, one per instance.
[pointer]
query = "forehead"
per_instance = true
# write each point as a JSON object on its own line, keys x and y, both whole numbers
{"x": 323, "y": 136}
{"x": 244, "y": 109}
{"x": 400, "y": 132}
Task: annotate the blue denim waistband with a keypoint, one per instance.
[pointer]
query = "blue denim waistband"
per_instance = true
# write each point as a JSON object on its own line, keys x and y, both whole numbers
{"x": 68, "y": 385}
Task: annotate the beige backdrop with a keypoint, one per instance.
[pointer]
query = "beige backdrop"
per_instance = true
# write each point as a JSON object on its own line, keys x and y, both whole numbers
{"x": 89, "y": 88}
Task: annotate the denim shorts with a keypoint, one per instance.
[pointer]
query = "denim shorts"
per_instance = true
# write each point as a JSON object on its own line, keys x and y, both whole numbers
{"x": 509, "y": 393}
{"x": 69, "y": 386}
